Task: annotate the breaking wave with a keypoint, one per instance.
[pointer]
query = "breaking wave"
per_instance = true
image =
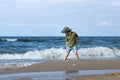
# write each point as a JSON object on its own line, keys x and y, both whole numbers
{"x": 37, "y": 56}
{"x": 21, "y": 40}
{"x": 58, "y": 53}
{"x": 7, "y": 39}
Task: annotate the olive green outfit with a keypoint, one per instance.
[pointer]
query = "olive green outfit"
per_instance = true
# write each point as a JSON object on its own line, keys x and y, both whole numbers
{"x": 72, "y": 39}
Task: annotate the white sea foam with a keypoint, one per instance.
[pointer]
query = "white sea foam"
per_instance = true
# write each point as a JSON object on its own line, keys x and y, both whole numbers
{"x": 52, "y": 53}
{"x": 58, "y": 53}
{"x": 97, "y": 52}
{"x": 11, "y": 39}
{"x": 14, "y": 65}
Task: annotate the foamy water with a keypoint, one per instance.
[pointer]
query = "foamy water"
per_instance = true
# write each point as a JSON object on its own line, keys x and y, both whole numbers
{"x": 58, "y": 53}
{"x": 37, "y": 56}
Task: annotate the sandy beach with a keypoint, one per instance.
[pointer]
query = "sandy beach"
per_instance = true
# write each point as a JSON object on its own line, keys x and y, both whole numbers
{"x": 108, "y": 76}
{"x": 70, "y": 67}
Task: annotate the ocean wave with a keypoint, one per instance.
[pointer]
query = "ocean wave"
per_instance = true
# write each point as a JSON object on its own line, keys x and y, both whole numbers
{"x": 37, "y": 56}
{"x": 2, "y": 39}
{"x": 58, "y": 53}
{"x": 7, "y": 40}
{"x": 21, "y": 40}
{"x": 32, "y": 40}
{"x": 25, "y": 40}
{"x": 11, "y": 40}
{"x": 99, "y": 52}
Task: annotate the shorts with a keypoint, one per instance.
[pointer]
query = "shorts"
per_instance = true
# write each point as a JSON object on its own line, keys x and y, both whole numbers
{"x": 71, "y": 48}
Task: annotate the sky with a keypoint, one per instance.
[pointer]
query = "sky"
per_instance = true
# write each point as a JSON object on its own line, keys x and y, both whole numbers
{"x": 49, "y": 17}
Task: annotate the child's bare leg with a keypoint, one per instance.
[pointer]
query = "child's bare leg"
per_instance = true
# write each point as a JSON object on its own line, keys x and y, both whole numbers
{"x": 77, "y": 56}
{"x": 65, "y": 57}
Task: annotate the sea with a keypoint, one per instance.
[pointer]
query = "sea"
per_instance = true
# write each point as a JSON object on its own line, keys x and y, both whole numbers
{"x": 16, "y": 52}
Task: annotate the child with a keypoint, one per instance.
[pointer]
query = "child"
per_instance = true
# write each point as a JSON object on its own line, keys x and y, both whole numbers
{"x": 71, "y": 42}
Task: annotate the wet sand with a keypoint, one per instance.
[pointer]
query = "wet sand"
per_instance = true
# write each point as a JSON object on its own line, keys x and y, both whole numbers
{"x": 108, "y": 76}
{"x": 69, "y": 67}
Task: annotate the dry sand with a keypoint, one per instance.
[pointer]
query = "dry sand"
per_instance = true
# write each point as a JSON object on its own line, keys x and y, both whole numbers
{"x": 71, "y": 66}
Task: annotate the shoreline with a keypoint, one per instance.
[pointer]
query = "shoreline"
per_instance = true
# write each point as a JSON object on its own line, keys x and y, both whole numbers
{"x": 68, "y": 67}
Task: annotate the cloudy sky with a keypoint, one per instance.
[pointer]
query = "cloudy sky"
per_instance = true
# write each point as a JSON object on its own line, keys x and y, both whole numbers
{"x": 48, "y": 17}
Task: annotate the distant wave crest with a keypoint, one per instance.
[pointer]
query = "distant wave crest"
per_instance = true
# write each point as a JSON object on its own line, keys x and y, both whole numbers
{"x": 21, "y": 40}
{"x": 7, "y": 39}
